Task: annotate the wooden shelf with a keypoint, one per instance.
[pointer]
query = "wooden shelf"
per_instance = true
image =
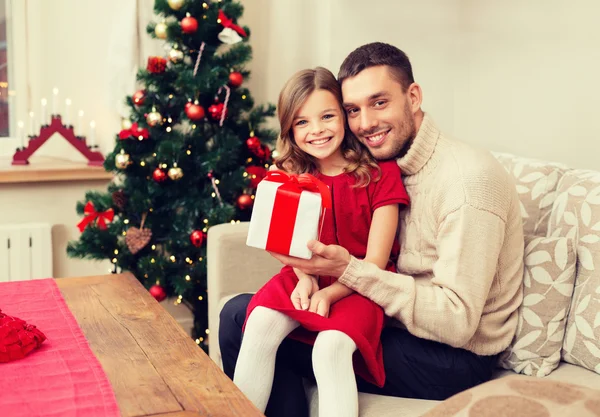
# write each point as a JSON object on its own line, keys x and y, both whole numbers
{"x": 46, "y": 169}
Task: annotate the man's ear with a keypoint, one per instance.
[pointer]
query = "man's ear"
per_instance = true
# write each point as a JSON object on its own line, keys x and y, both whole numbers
{"x": 415, "y": 95}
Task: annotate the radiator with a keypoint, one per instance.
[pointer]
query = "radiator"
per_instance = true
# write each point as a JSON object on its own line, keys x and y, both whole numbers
{"x": 25, "y": 251}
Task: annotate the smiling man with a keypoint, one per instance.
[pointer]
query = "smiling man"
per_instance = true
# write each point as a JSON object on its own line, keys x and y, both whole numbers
{"x": 453, "y": 303}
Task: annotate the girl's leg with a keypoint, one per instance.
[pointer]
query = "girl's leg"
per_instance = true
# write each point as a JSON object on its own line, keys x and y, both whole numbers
{"x": 336, "y": 383}
{"x": 265, "y": 329}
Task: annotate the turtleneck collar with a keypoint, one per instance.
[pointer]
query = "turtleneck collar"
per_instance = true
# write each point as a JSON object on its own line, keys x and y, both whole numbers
{"x": 421, "y": 149}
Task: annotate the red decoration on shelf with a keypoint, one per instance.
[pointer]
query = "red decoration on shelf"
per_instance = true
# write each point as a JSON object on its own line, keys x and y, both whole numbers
{"x": 134, "y": 131}
{"x": 21, "y": 156}
{"x": 91, "y": 214}
{"x": 244, "y": 202}
{"x": 156, "y": 64}
{"x": 256, "y": 174}
{"x": 158, "y": 292}
{"x": 194, "y": 111}
{"x": 228, "y": 23}
{"x": 197, "y": 238}
{"x": 159, "y": 175}
{"x": 189, "y": 24}
{"x": 139, "y": 97}
{"x": 236, "y": 79}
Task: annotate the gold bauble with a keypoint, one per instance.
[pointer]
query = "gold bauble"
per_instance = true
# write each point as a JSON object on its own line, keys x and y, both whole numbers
{"x": 175, "y": 55}
{"x": 125, "y": 124}
{"x": 154, "y": 118}
{"x": 175, "y": 173}
{"x": 176, "y": 4}
{"x": 161, "y": 31}
{"x": 122, "y": 160}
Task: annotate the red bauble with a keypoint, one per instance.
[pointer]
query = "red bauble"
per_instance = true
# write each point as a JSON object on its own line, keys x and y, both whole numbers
{"x": 216, "y": 110}
{"x": 256, "y": 173}
{"x": 156, "y": 64}
{"x": 158, "y": 292}
{"x": 139, "y": 97}
{"x": 236, "y": 79}
{"x": 197, "y": 238}
{"x": 189, "y": 25}
{"x": 194, "y": 111}
{"x": 159, "y": 175}
{"x": 244, "y": 202}
{"x": 253, "y": 143}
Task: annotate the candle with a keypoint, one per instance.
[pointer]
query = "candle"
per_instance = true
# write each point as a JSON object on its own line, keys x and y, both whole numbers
{"x": 92, "y": 134}
{"x": 31, "y": 124}
{"x": 55, "y": 101}
{"x": 21, "y": 133}
{"x": 79, "y": 128}
{"x": 67, "y": 120}
{"x": 43, "y": 119}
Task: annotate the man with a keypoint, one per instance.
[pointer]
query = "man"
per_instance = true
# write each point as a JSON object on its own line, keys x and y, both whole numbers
{"x": 454, "y": 301}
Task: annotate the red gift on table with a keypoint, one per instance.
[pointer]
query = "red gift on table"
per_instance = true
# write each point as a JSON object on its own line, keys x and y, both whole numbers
{"x": 287, "y": 213}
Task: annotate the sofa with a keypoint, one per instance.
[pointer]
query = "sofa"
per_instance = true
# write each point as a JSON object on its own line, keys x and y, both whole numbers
{"x": 558, "y": 337}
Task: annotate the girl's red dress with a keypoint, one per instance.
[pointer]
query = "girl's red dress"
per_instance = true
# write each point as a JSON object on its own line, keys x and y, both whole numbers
{"x": 347, "y": 224}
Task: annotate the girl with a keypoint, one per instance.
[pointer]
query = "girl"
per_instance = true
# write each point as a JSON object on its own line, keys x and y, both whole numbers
{"x": 363, "y": 219}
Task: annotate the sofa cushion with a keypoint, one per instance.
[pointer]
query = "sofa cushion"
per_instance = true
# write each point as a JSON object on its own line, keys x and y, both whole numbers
{"x": 536, "y": 184}
{"x": 576, "y": 213}
{"x": 549, "y": 276}
{"x": 521, "y": 396}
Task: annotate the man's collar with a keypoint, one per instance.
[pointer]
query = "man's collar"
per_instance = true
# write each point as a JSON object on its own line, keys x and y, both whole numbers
{"x": 421, "y": 149}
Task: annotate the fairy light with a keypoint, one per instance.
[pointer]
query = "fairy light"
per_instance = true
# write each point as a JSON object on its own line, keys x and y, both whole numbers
{"x": 197, "y": 341}
{"x": 218, "y": 20}
{"x": 126, "y": 221}
{"x": 187, "y": 278}
{"x": 164, "y": 166}
{"x": 232, "y": 222}
{"x": 172, "y": 258}
{"x": 116, "y": 251}
{"x": 150, "y": 209}
{"x": 168, "y": 129}
{"x": 217, "y": 182}
{"x": 114, "y": 260}
{"x": 124, "y": 233}
{"x": 207, "y": 331}
{"x": 249, "y": 160}
{"x": 205, "y": 221}
{"x": 146, "y": 276}
{"x": 204, "y": 5}
{"x": 200, "y": 298}
{"x": 170, "y": 120}
{"x": 153, "y": 247}
{"x": 154, "y": 154}
{"x": 170, "y": 95}
{"x": 201, "y": 259}
{"x": 243, "y": 96}
{"x": 152, "y": 261}
{"x": 245, "y": 174}
{"x": 193, "y": 126}
{"x": 205, "y": 230}
{"x": 187, "y": 259}
{"x": 213, "y": 195}
{"x": 143, "y": 164}
{"x": 188, "y": 152}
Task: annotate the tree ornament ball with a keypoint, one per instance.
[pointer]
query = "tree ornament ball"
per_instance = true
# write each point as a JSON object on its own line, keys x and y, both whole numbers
{"x": 139, "y": 97}
{"x": 175, "y": 55}
{"x": 194, "y": 111}
{"x": 159, "y": 175}
{"x": 160, "y": 31}
{"x": 126, "y": 124}
{"x": 154, "y": 118}
{"x": 175, "y": 173}
{"x": 158, "y": 292}
{"x": 189, "y": 25}
{"x": 253, "y": 143}
{"x": 235, "y": 79}
{"x": 122, "y": 160}
{"x": 176, "y": 4}
{"x": 244, "y": 202}
{"x": 216, "y": 110}
{"x": 197, "y": 238}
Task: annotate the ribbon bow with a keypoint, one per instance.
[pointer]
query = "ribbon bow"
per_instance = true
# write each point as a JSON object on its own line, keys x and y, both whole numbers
{"x": 91, "y": 214}
{"x": 302, "y": 182}
{"x": 228, "y": 23}
{"x": 134, "y": 131}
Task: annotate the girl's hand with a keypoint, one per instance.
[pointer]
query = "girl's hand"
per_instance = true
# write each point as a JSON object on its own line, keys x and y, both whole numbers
{"x": 306, "y": 287}
{"x": 320, "y": 303}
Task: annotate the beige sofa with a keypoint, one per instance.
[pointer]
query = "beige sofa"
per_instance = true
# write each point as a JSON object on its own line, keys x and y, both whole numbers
{"x": 559, "y": 323}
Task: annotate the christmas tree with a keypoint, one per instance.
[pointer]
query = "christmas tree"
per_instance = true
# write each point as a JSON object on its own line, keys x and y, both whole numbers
{"x": 189, "y": 157}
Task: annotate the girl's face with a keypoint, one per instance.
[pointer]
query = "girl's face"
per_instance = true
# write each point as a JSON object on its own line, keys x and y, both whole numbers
{"x": 319, "y": 127}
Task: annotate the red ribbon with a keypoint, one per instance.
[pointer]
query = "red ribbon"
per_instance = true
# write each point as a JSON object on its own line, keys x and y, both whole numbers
{"x": 133, "y": 131}
{"x": 91, "y": 214}
{"x": 285, "y": 207}
{"x": 228, "y": 23}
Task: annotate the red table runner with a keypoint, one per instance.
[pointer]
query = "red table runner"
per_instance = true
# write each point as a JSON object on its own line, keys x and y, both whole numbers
{"x": 62, "y": 377}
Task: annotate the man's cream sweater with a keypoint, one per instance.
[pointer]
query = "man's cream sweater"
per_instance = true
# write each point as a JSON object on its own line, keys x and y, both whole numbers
{"x": 461, "y": 259}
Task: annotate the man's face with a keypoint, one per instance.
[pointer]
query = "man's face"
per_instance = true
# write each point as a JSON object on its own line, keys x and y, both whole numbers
{"x": 380, "y": 114}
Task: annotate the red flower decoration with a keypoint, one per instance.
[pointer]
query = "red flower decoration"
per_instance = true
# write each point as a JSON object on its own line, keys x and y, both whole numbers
{"x": 156, "y": 64}
{"x": 133, "y": 131}
{"x": 17, "y": 338}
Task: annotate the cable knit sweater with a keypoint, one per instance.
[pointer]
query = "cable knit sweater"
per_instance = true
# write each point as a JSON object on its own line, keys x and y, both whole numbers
{"x": 461, "y": 260}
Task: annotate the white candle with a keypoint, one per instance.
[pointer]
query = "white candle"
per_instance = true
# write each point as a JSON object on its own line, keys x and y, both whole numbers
{"x": 92, "y": 133}
{"x": 79, "y": 127}
{"x": 55, "y": 101}
{"x": 67, "y": 120}
{"x": 31, "y": 124}
{"x": 43, "y": 119}
{"x": 21, "y": 133}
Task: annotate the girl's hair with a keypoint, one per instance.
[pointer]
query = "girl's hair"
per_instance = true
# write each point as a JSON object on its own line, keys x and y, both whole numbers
{"x": 291, "y": 158}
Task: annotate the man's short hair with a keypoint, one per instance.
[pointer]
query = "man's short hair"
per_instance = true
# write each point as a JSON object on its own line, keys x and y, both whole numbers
{"x": 375, "y": 54}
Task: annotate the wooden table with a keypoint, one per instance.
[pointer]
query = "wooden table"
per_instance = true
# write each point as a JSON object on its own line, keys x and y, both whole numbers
{"x": 155, "y": 368}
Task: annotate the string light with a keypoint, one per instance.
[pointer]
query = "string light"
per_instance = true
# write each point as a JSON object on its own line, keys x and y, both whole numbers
{"x": 233, "y": 222}
{"x": 170, "y": 120}
{"x": 193, "y": 126}
{"x": 217, "y": 182}
{"x": 153, "y": 247}
{"x": 164, "y": 166}
{"x": 152, "y": 261}
{"x": 197, "y": 341}
{"x": 126, "y": 221}
{"x": 243, "y": 96}
{"x": 114, "y": 260}
{"x": 187, "y": 278}
{"x": 172, "y": 258}
{"x": 170, "y": 95}
{"x": 168, "y": 129}
{"x": 245, "y": 174}
{"x": 205, "y": 230}
{"x": 116, "y": 251}
{"x": 187, "y": 259}
{"x": 124, "y": 233}
{"x": 205, "y": 221}
{"x": 213, "y": 195}
{"x": 143, "y": 164}
{"x": 205, "y": 5}
{"x": 249, "y": 160}
{"x": 146, "y": 276}
{"x": 200, "y": 259}
{"x": 154, "y": 154}
{"x": 200, "y": 298}
{"x": 150, "y": 209}
{"x": 207, "y": 331}
{"x": 140, "y": 138}
{"x": 188, "y": 152}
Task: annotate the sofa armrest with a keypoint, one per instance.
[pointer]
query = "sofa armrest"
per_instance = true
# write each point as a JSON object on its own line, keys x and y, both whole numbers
{"x": 232, "y": 268}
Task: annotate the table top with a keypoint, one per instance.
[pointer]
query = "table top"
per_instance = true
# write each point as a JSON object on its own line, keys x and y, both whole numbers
{"x": 155, "y": 368}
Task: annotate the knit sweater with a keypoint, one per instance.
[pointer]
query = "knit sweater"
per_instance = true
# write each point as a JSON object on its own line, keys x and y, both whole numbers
{"x": 461, "y": 260}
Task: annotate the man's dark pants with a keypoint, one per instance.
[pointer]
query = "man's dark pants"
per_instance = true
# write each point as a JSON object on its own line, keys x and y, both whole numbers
{"x": 414, "y": 367}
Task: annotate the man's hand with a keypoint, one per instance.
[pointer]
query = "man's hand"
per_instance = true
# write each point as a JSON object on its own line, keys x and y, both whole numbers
{"x": 306, "y": 287}
{"x": 327, "y": 260}
{"x": 320, "y": 303}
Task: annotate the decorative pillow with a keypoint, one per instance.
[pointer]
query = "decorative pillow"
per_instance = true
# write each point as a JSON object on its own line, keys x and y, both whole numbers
{"x": 549, "y": 277}
{"x": 17, "y": 338}
{"x": 536, "y": 184}
{"x": 576, "y": 213}
{"x": 521, "y": 396}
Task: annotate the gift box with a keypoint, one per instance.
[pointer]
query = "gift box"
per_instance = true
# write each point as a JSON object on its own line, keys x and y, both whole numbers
{"x": 287, "y": 213}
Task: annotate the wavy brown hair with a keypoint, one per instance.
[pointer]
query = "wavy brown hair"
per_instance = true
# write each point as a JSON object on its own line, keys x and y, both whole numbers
{"x": 294, "y": 94}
